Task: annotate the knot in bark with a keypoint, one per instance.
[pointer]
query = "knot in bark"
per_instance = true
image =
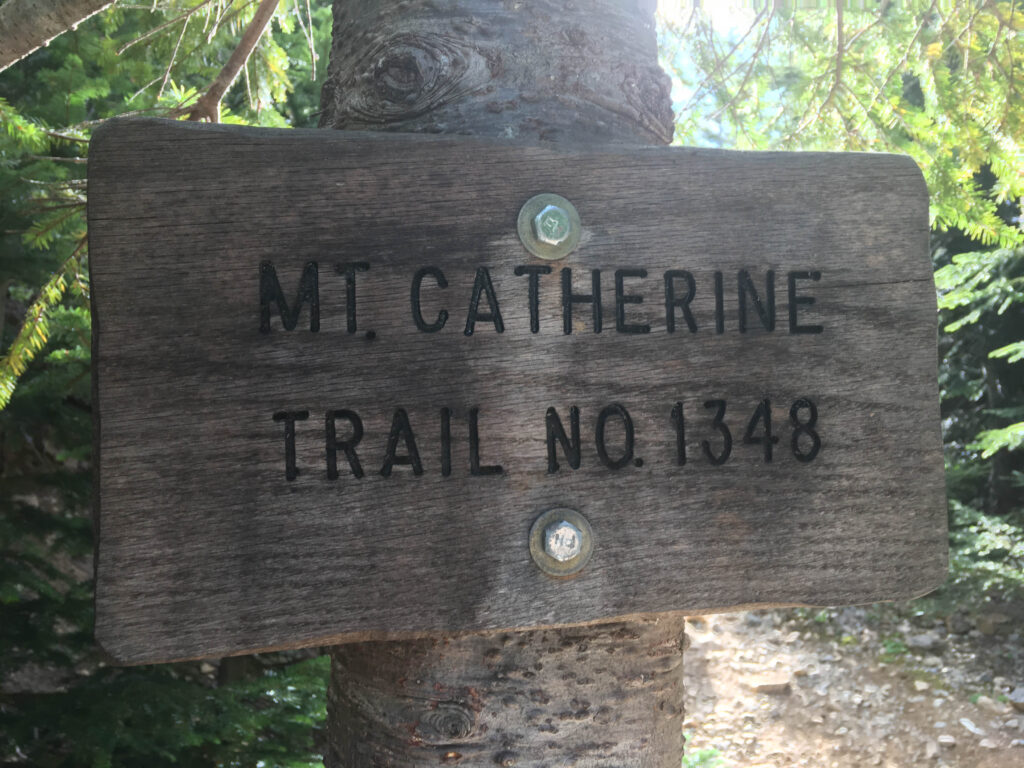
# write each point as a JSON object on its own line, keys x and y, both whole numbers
{"x": 407, "y": 75}
{"x": 448, "y": 721}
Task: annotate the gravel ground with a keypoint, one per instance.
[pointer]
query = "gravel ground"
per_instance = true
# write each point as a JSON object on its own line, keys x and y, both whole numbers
{"x": 858, "y": 687}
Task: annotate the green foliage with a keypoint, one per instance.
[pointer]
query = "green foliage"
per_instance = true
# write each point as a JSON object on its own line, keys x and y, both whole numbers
{"x": 935, "y": 81}
{"x": 988, "y": 553}
{"x": 702, "y": 758}
{"x": 893, "y": 649}
{"x": 59, "y": 704}
{"x": 173, "y": 715}
{"x": 978, "y": 291}
{"x": 46, "y": 205}
{"x": 34, "y": 333}
{"x": 153, "y": 59}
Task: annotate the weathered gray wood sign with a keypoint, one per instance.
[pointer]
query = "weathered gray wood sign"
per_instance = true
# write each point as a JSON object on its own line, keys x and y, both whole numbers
{"x": 326, "y": 417}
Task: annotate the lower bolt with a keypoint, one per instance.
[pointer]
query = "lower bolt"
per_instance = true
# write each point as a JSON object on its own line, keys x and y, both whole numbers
{"x": 561, "y": 542}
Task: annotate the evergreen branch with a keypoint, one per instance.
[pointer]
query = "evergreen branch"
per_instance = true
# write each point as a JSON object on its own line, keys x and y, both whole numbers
{"x": 46, "y": 204}
{"x": 174, "y": 56}
{"x": 868, "y": 117}
{"x": 968, "y": 28}
{"x": 878, "y": 20}
{"x": 307, "y": 32}
{"x": 995, "y": 40}
{"x": 761, "y": 42}
{"x": 721, "y": 61}
{"x": 1009, "y": 49}
{"x": 38, "y": 233}
{"x": 161, "y": 27}
{"x": 902, "y": 61}
{"x": 143, "y": 89}
{"x": 991, "y": 441}
{"x": 1012, "y": 352}
{"x": 839, "y": 60}
{"x": 208, "y": 105}
{"x": 230, "y": 14}
{"x": 33, "y": 334}
{"x": 993, "y": 56}
{"x": 61, "y": 183}
{"x": 248, "y": 86}
{"x": 65, "y": 137}
{"x": 53, "y": 158}
{"x": 227, "y": 13}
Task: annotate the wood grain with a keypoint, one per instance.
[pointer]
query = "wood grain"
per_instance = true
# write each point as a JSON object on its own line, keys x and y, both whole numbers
{"x": 207, "y": 549}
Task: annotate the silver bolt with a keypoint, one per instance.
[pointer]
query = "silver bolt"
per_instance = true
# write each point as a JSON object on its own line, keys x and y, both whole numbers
{"x": 563, "y": 541}
{"x": 552, "y": 225}
{"x": 549, "y": 227}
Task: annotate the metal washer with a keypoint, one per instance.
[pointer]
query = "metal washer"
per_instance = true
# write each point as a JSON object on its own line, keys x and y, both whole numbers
{"x": 546, "y": 562}
{"x": 524, "y": 226}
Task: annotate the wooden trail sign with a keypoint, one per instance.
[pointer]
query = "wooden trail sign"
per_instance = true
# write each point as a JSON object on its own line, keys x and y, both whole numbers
{"x": 332, "y": 417}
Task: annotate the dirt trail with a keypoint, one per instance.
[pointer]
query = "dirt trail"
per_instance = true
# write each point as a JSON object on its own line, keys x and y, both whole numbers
{"x": 856, "y": 687}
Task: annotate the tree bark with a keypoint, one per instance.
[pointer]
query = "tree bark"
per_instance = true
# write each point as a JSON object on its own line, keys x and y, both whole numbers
{"x": 608, "y": 695}
{"x": 597, "y": 696}
{"x": 552, "y": 70}
{"x": 27, "y": 25}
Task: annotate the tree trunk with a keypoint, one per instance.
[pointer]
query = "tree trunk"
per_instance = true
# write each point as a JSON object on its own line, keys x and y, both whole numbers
{"x": 27, "y": 25}
{"x": 607, "y": 695}
{"x": 553, "y": 70}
